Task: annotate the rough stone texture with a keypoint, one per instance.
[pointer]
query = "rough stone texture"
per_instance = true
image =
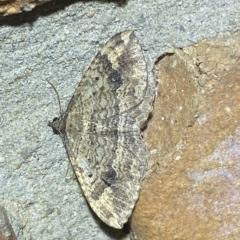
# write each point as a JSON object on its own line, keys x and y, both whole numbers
{"x": 6, "y": 231}
{"x": 57, "y": 41}
{"x": 8, "y": 7}
{"x": 194, "y": 138}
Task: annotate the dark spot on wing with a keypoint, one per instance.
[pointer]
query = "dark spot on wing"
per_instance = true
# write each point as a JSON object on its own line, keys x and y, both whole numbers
{"x": 109, "y": 176}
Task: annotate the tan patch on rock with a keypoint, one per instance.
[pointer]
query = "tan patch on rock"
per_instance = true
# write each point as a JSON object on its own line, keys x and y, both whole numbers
{"x": 6, "y": 230}
{"x": 9, "y": 7}
{"x": 194, "y": 137}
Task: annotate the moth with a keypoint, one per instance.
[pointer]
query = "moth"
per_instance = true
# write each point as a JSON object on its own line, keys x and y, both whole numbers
{"x": 101, "y": 128}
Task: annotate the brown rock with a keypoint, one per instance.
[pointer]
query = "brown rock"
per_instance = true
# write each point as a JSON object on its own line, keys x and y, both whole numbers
{"x": 8, "y": 7}
{"x": 6, "y": 231}
{"x": 193, "y": 190}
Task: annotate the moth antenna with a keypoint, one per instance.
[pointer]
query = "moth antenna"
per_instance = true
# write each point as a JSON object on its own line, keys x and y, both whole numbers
{"x": 69, "y": 165}
{"x": 55, "y": 90}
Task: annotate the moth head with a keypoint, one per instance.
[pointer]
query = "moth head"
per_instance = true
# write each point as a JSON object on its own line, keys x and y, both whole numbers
{"x": 57, "y": 125}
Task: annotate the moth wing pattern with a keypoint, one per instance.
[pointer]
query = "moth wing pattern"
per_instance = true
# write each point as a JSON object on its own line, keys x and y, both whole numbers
{"x": 102, "y": 129}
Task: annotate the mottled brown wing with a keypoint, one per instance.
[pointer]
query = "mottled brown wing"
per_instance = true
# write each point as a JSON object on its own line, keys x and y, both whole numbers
{"x": 103, "y": 137}
{"x": 115, "y": 83}
{"x": 110, "y": 173}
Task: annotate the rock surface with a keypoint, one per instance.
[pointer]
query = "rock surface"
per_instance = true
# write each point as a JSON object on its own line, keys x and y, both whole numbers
{"x": 57, "y": 42}
{"x": 192, "y": 189}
